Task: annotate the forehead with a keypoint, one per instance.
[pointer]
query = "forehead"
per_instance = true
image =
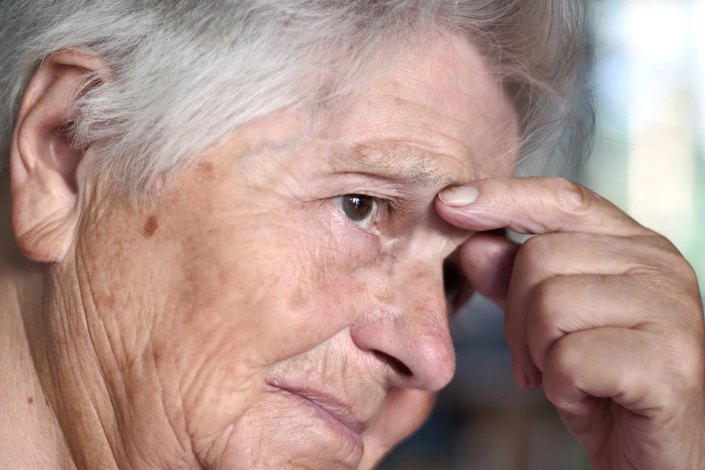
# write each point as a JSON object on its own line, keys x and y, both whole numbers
{"x": 436, "y": 98}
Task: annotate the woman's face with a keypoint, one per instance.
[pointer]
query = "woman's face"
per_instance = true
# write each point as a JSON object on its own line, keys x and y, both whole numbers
{"x": 281, "y": 305}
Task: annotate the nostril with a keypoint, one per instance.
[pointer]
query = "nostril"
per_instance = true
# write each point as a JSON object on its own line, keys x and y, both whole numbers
{"x": 394, "y": 363}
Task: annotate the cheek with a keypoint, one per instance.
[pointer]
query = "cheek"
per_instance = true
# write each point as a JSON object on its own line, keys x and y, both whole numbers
{"x": 249, "y": 285}
{"x": 272, "y": 284}
{"x": 320, "y": 264}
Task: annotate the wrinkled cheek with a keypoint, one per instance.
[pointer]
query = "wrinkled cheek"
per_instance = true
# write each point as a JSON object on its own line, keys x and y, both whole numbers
{"x": 309, "y": 312}
{"x": 269, "y": 301}
{"x": 318, "y": 292}
{"x": 251, "y": 300}
{"x": 300, "y": 439}
{"x": 240, "y": 323}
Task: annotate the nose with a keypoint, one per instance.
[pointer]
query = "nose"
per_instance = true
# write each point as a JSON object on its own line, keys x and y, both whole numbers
{"x": 408, "y": 331}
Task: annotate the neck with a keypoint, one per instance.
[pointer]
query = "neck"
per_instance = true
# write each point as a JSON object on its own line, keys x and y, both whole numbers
{"x": 43, "y": 412}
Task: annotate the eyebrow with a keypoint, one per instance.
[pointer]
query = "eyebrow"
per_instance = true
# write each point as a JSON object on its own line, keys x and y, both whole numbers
{"x": 399, "y": 163}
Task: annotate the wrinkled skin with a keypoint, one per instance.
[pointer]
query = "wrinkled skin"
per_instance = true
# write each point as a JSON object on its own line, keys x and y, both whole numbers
{"x": 602, "y": 311}
{"x": 240, "y": 319}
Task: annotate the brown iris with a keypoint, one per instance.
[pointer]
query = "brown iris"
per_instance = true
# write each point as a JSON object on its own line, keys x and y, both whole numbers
{"x": 359, "y": 208}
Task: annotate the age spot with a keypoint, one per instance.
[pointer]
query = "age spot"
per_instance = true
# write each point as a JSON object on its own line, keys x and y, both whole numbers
{"x": 151, "y": 226}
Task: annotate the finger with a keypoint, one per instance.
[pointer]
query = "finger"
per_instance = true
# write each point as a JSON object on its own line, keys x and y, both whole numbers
{"x": 636, "y": 369}
{"x": 487, "y": 262}
{"x": 585, "y": 253}
{"x": 541, "y": 258}
{"x": 533, "y": 205}
{"x": 642, "y": 260}
{"x": 593, "y": 363}
{"x": 563, "y": 305}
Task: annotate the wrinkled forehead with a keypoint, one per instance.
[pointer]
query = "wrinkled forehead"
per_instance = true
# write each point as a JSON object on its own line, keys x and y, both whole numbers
{"x": 432, "y": 111}
{"x": 437, "y": 95}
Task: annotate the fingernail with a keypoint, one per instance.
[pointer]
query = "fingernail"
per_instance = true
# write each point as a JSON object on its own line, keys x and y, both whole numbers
{"x": 459, "y": 196}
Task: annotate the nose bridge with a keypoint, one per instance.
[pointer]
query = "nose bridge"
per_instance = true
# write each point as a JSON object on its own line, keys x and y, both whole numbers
{"x": 434, "y": 239}
{"x": 417, "y": 274}
{"x": 410, "y": 323}
{"x": 422, "y": 302}
{"x": 419, "y": 271}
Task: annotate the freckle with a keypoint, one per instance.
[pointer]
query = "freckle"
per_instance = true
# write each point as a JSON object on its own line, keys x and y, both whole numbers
{"x": 207, "y": 169}
{"x": 297, "y": 301}
{"x": 30, "y": 400}
{"x": 151, "y": 226}
{"x": 384, "y": 294}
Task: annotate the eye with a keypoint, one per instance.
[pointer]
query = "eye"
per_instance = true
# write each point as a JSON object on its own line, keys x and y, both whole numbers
{"x": 360, "y": 209}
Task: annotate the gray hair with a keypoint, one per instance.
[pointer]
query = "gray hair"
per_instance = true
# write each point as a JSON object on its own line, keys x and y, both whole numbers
{"x": 185, "y": 74}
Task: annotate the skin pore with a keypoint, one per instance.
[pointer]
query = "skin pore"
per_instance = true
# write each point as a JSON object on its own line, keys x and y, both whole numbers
{"x": 239, "y": 318}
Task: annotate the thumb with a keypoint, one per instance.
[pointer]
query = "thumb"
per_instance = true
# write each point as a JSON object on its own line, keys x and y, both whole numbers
{"x": 487, "y": 261}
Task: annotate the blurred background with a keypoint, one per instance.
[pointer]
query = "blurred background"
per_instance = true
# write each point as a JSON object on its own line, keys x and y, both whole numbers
{"x": 648, "y": 159}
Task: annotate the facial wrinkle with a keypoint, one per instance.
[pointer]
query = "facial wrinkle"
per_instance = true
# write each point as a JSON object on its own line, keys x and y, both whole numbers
{"x": 401, "y": 163}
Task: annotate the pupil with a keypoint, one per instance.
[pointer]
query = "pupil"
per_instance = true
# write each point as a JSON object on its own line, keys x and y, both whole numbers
{"x": 357, "y": 207}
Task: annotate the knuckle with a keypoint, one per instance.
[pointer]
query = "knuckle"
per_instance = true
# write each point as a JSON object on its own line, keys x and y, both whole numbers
{"x": 681, "y": 363}
{"x": 674, "y": 263}
{"x": 536, "y": 250}
{"x": 572, "y": 197}
{"x": 670, "y": 278}
{"x": 662, "y": 243}
{"x": 685, "y": 296}
{"x": 685, "y": 274}
{"x": 661, "y": 249}
{"x": 663, "y": 266}
{"x": 545, "y": 317}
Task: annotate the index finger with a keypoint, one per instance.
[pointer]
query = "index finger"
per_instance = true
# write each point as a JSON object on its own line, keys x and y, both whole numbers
{"x": 535, "y": 205}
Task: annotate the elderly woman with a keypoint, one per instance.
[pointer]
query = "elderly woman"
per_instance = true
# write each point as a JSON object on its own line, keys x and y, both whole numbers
{"x": 224, "y": 226}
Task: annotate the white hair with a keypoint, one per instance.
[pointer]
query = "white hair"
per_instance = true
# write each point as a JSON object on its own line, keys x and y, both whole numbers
{"x": 185, "y": 74}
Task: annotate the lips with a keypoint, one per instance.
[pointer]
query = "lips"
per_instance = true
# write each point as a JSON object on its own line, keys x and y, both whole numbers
{"x": 334, "y": 412}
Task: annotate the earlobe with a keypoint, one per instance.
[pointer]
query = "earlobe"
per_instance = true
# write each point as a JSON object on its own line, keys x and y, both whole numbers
{"x": 44, "y": 164}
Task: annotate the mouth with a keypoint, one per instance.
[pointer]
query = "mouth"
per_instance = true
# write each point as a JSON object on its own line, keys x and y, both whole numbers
{"x": 337, "y": 415}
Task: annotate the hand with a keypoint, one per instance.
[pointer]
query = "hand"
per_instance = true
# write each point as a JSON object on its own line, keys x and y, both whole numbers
{"x": 602, "y": 311}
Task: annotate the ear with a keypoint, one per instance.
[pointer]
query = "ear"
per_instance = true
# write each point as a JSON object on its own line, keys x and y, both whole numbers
{"x": 46, "y": 174}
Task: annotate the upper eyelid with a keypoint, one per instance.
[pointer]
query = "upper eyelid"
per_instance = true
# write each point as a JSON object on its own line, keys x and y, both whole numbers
{"x": 378, "y": 186}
